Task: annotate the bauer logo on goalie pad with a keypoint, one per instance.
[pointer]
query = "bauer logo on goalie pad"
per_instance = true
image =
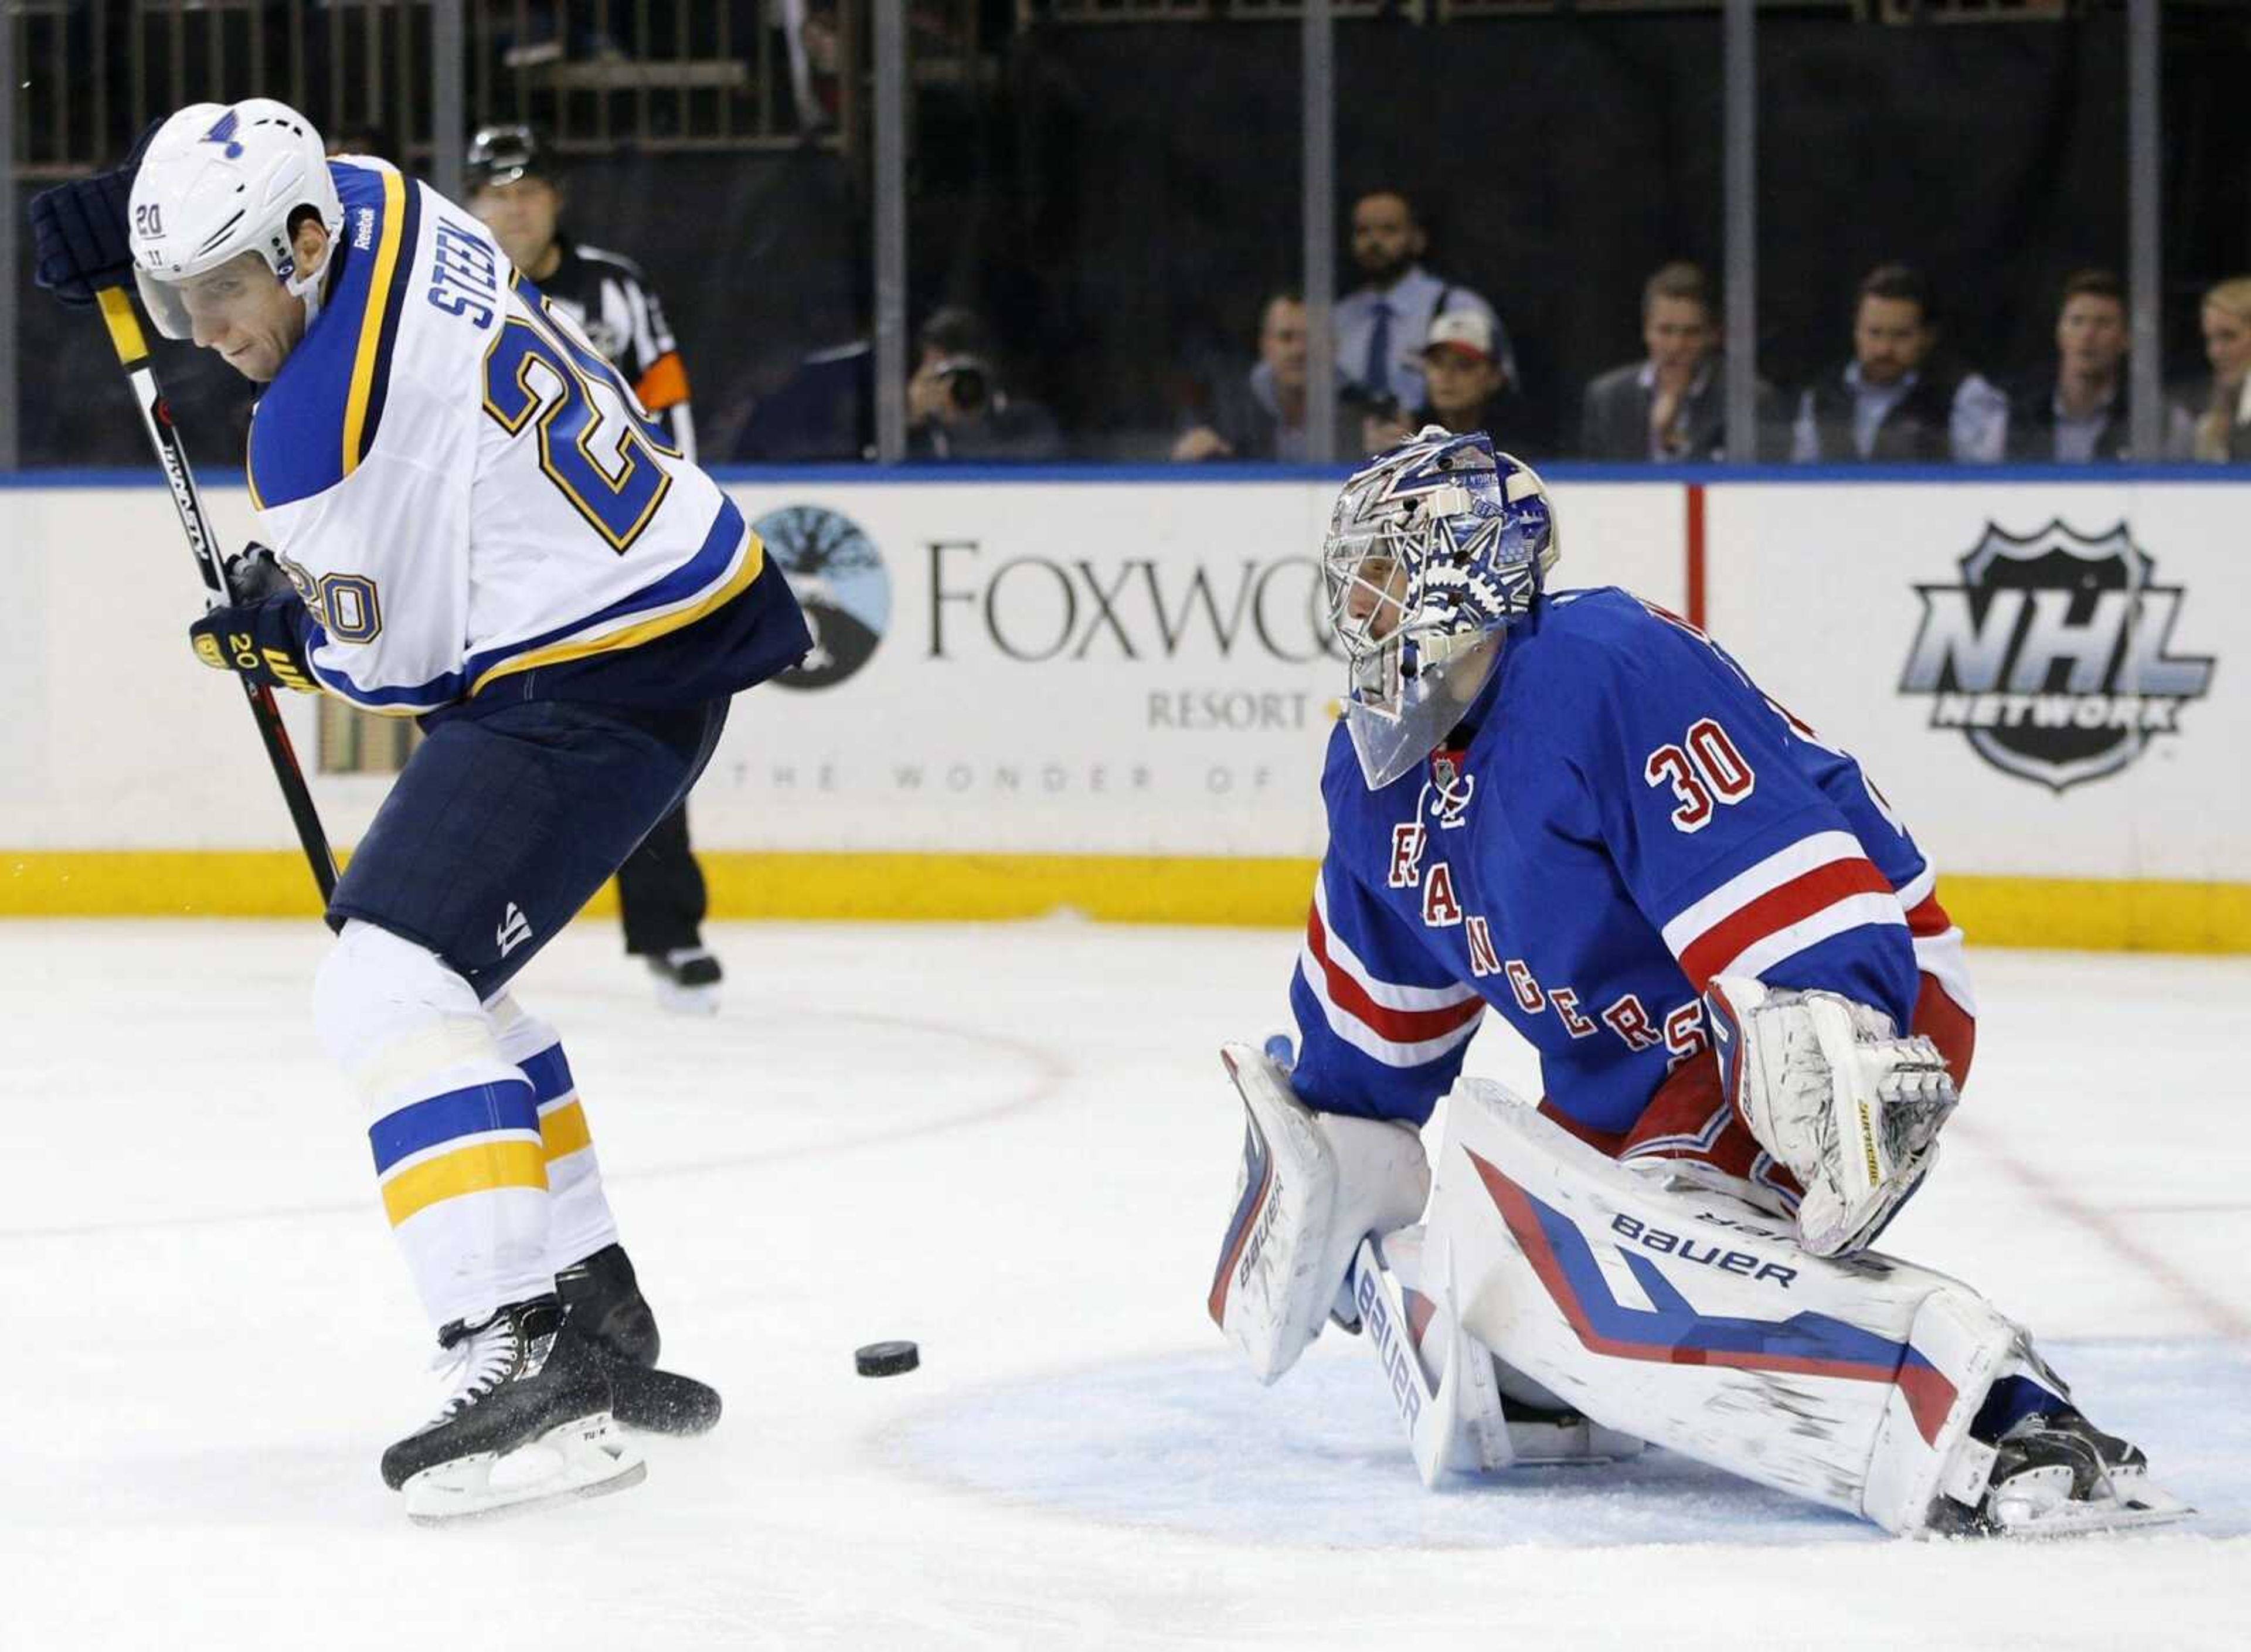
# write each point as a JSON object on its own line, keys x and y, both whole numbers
{"x": 2051, "y": 655}
{"x": 1671, "y": 1331}
{"x": 1665, "y": 1244}
{"x": 1390, "y": 1341}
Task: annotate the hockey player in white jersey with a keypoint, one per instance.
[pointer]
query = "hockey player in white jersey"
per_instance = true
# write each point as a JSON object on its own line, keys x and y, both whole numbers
{"x": 472, "y": 522}
{"x": 1576, "y": 812}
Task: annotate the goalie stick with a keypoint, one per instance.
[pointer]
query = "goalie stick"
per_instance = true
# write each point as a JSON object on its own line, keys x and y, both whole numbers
{"x": 132, "y": 348}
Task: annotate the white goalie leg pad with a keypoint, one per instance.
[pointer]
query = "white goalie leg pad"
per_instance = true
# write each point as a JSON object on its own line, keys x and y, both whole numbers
{"x": 586, "y": 1457}
{"x": 1312, "y": 1186}
{"x": 1693, "y": 1321}
{"x": 1829, "y": 1088}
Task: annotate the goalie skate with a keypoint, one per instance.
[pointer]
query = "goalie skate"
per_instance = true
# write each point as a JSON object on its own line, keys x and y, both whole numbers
{"x": 2057, "y": 1476}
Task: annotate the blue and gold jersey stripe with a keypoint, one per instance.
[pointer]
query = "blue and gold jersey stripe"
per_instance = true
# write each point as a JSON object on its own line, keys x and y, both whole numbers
{"x": 317, "y": 421}
{"x": 379, "y": 327}
{"x": 729, "y": 563}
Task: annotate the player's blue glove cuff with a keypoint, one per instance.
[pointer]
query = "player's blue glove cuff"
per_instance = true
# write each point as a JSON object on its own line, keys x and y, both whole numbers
{"x": 263, "y": 640}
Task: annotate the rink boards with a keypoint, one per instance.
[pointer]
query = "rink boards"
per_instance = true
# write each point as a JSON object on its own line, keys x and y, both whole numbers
{"x": 1110, "y": 691}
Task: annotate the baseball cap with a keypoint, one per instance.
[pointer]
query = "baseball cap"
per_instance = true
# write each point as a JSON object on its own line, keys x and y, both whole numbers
{"x": 1469, "y": 331}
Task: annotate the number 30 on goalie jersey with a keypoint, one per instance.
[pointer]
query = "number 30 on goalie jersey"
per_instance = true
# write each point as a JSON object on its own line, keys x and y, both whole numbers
{"x": 543, "y": 369}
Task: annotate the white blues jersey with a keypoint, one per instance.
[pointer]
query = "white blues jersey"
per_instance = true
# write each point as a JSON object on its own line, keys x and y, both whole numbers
{"x": 466, "y": 495}
{"x": 1625, "y": 817}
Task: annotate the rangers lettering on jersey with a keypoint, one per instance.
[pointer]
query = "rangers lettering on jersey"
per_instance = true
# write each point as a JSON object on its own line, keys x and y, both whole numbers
{"x": 1621, "y": 852}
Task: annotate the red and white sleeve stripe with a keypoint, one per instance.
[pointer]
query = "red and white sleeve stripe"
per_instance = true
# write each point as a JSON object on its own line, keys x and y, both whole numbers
{"x": 1399, "y": 1025}
{"x": 1937, "y": 939}
{"x": 1821, "y": 885}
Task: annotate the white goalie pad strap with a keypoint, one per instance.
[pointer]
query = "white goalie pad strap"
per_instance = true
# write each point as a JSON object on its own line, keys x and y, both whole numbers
{"x": 1690, "y": 1321}
{"x": 1825, "y": 1086}
{"x": 1446, "y": 1384}
{"x": 1312, "y": 1186}
{"x": 1442, "y": 1381}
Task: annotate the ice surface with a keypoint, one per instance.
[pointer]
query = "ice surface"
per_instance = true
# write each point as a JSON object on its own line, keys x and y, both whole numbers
{"x": 1015, "y": 1145}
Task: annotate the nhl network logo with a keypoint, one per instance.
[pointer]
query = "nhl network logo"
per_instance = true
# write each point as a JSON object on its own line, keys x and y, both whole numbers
{"x": 2051, "y": 655}
{"x": 838, "y": 577}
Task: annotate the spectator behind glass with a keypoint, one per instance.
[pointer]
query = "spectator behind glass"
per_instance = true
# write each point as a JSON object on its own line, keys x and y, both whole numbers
{"x": 2078, "y": 415}
{"x": 1672, "y": 406}
{"x": 2221, "y": 430}
{"x": 1261, "y": 414}
{"x": 958, "y": 406}
{"x": 1899, "y": 400}
{"x": 1382, "y": 325}
{"x": 1463, "y": 379}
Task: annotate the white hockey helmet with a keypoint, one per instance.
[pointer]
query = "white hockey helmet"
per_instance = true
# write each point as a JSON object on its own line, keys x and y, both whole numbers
{"x": 1435, "y": 548}
{"x": 220, "y": 180}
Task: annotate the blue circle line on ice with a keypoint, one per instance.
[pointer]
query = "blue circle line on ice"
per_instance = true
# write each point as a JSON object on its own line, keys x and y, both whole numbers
{"x": 1190, "y": 1443}
{"x": 1048, "y": 1072}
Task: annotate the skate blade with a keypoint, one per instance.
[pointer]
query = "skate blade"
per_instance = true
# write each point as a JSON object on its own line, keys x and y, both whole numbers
{"x": 582, "y": 1458}
{"x": 674, "y": 999}
{"x": 1544, "y": 1445}
{"x": 2137, "y": 1506}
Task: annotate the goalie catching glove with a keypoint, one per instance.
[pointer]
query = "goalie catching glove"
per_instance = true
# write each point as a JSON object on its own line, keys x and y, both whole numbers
{"x": 1828, "y": 1087}
{"x": 259, "y": 631}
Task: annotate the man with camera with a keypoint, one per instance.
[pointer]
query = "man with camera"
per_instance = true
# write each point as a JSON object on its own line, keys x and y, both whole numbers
{"x": 958, "y": 408}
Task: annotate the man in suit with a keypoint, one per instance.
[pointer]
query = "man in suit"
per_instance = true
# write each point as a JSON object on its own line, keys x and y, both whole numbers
{"x": 2077, "y": 415}
{"x": 1382, "y": 325}
{"x": 1671, "y": 406}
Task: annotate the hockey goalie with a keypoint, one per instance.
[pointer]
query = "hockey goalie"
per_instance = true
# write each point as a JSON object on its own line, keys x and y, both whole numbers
{"x": 1575, "y": 811}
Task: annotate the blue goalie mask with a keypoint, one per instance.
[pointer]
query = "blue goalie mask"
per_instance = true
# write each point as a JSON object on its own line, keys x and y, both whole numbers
{"x": 1433, "y": 551}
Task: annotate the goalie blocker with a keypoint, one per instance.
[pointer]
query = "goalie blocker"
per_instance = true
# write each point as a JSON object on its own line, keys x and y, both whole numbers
{"x": 1547, "y": 1271}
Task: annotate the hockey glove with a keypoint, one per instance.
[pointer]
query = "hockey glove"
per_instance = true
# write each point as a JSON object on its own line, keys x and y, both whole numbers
{"x": 78, "y": 231}
{"x": 260, "y": 631}
{"x": 1828, "y": 1087}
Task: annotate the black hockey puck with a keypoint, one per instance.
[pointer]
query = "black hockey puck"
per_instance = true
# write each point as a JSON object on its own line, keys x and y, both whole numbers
{"x": 886, "y": 1359}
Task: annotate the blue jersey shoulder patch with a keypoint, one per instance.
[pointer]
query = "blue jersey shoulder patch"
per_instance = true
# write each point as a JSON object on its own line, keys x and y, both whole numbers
{"x": 317, "y": 420}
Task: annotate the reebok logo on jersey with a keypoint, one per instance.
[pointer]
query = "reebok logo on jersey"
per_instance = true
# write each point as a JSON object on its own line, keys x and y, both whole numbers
{"x": 2051, "y": 655}
{"x": 515, "y": 930}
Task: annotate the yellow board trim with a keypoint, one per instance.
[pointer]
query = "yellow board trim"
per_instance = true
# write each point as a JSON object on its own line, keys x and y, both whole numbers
{"x": 479, "y": 1168}
{"x": 563, "y": 1132}
{"x": 2096, "y": 914}
{"x": 754, "y": 559}
{"x": 370, "y": 320}
{"x": 125, "y": 335}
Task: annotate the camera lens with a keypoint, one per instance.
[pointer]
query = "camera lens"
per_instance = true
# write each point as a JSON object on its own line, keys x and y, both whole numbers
{"x": 968, "y": 388}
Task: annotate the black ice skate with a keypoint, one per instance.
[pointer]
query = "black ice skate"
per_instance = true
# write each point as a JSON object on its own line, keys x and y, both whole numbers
{"x": 608, "y": 1321}
{"x": 2057, "y": 1474}
{"x": 527, "y": 1421}
{"x": 687, "y": 981}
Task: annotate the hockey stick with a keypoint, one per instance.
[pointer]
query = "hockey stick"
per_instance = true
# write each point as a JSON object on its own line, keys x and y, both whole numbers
{"x": 132, "y": 348}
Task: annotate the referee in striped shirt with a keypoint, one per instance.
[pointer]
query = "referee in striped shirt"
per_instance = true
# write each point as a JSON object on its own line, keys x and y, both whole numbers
{"x": 512, "y": 186}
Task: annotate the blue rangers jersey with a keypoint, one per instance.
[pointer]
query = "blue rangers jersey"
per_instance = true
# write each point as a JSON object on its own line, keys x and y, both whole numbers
{"x": 474, "y": 505}
{"x": 1621, "y": 816}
